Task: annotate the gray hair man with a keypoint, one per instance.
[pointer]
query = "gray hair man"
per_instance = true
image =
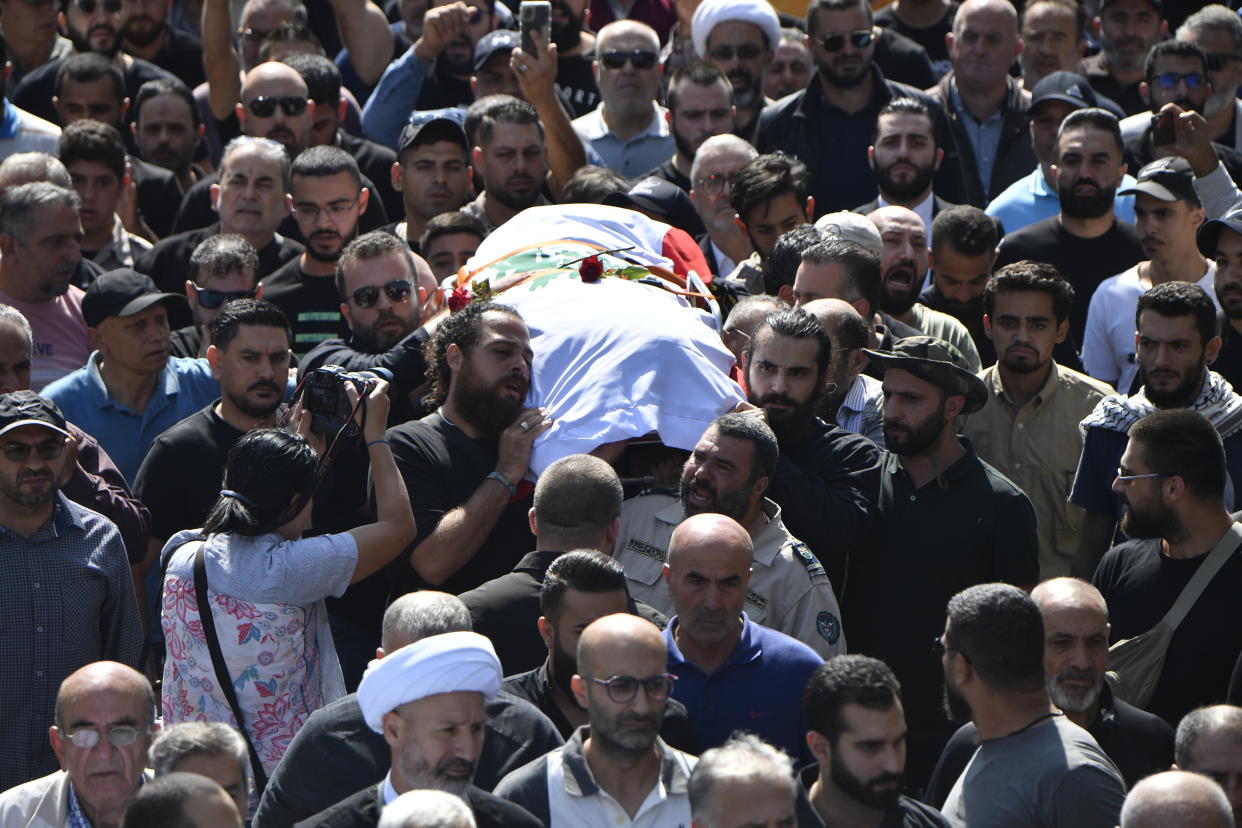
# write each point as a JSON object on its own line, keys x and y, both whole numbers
{"x": 1186, "y": 800}
{"x": 211, "y": 749}
{"x": 1209, "y": 742}
{"x": 744, "y": 782}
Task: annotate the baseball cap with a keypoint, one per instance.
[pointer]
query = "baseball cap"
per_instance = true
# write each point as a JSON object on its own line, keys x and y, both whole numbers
{"x": 1168, "y": 179}
{"x": 1209, "y": 232}
{"x": 23, "y": 408}
{"x": 1067, "y": 87}
{"x": 660, "y": 198}
{"x": 497, "y": 40}
{"x": 937, "y": 362}
{"x": 121, "y": 292}
{"x": 852, "y": 227}
{"x": 433, "y": 125}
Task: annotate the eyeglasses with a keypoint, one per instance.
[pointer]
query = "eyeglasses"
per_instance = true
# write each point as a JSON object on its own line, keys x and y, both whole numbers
{"x": 87, "y": 738}
{"x": 1218, "y": 60}
{"x": 264, "y": 106}
{"x": 1169, "y": 80}
{"x": 89, "y": 6}
{"x": 397, "y": 290}
{"x": 1126, "y": 478}
{"x": 747, "y": 51}
{"x": 310, "y": 212}
{"x": 623, "y": 689}
{"x": 714, "y": 183}
{"x": 212, "y": 299}
{"x": 640, "y": 58}
{"x": 860, "y": 39}
{"x": 47, "y": 450}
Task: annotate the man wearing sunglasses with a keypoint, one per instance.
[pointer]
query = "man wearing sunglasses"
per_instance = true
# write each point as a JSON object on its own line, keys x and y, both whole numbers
{"x": 622, "y": 772}
{"x": 1219, "y": 31}
{"x": 223, "y": 268}
{"x": 738, "y": 37}
{"x": 72, "y": 553}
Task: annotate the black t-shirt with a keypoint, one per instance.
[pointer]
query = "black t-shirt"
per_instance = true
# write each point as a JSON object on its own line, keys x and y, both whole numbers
{"x": 311, "y": 303}
{"x": 931, "y": 38}
{"x": 903, "y": 60}
{"x": 442, "y": 468}
{"x": 168, "y": 262}
{"x": 441, "y": 91}
{"x": 1084, "y": 263}
{"x": 34, "y": 94}
{"x": 395, "y": 229}
{"x": 181, "y": 55}
{"x": 669, "y": 172}
{"x": 1140, "y": 584}
{"x": 187, "y": 341}
{"x": 180, "y": 478}
{"x": 1127, "y": 97}
{"x": 375, "y": 162}
{"x": 1229, "y": 363}
{"x": 575, "y": 83}
{"x": 159, "y": 195}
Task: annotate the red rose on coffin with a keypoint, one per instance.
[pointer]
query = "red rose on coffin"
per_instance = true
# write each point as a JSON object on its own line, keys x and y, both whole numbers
{"x": 591, "y": 269}
{"x": 458, "y": 299}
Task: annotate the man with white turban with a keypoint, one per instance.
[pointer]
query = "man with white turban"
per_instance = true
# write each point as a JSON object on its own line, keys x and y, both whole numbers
{"x": 739, "y": 37}
{"x": 427, "y": 700}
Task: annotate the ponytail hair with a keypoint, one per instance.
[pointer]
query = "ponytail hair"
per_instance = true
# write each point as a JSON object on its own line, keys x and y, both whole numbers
{"x": 267, "y": 469}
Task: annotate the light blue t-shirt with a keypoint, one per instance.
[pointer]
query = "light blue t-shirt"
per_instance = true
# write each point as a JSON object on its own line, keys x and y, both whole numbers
{"x": 1029, "y": 200}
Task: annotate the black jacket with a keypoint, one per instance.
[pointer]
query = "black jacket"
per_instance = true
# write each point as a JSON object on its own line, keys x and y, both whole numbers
{"x": 362, "y": 810}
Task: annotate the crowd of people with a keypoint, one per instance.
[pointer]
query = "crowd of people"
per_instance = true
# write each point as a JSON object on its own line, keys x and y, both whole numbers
{"x": 323, "y": 503}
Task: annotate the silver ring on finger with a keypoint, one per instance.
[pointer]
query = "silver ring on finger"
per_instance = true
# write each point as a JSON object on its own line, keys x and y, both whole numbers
{"x": 525, "y": 426}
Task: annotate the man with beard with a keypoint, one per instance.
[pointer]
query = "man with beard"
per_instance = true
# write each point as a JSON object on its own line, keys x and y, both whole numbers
{"x": 856, "y": 729}
{"x": 179, "y": 480}
{"x": 1086, "y": 240}
{"x": 167, "y": 130}
{"x": 623, "y": 771}
{"x": 40, "y": 247}
{"x": 826, "y": 479}
{"x": 1029, "y": 429}
{"x": 1221, "y": 242}
{"x": 789, "y": 70}
{"x": 1176, "y": 341}
{"x": 698, "y": 108}
{"x": 1034, "y": 765}
{"x": 927, "y": 23}
{"x": 575, "y": 45}
{"x": 905, "y": 156}
{"x": 428, "y": 700}
{"x": 1036, "y": 197}
{"x": 222, "y": 269}
{"x": 579, "y": 587}
{"x": 987, "y": 109}
{"x": 145, "y": 34}
{"x": 463, "y": 463}
{"x": 724, "y": 245}
{"x": 985, "y": 529}
{"x": 328, "y": 198}
{"x": 1127, "y": 30}
{"x": 335, "y": 753}
{"x": 1168, "y": 213}
{"x": 903, "y": 264}
{"x": 510, "y": 154}
{"x": 843, "y": 100}
{"x": 727, "y": 473}
{"x": 432, "y": 173}
{"x": 739, "y": 37}
{"x": 1075, "y": 660}
{"x": 963, "y": 250}
{"x": 1054, "y": 39}
{"x": 1172, "y": 479}
{"x": 851, "y": 399}
{"x": 1219, "y": 32}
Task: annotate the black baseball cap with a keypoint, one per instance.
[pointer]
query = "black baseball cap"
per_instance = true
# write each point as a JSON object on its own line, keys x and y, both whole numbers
{"x": 23, "y": 408}
{"x": 497, "y": 40}
{"x": 1067, "y": 87}
{"x": 433, "y": 125}
{"x": 121, "y": 292}
{"x": 660, "y": 198}
{"x": 1168, "y": 179}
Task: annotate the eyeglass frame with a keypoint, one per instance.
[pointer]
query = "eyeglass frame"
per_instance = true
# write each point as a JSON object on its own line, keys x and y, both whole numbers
{"x": 645, "y": 683}
{"x": 713, "y": 179}
{"x": 333, "y": 209}
{"x": 226, "y": 296}
{"x": 56, "y": 445}
{"x": 1126, "y": 479}
{"x": 852, "y": 36}
{"x": 406, "y": 292}
{"x": 631, "y": 57}
{"x": 123, "y": 730}
{"x": 281, "y": 102}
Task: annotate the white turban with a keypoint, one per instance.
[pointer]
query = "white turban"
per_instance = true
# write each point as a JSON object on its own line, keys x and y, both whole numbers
{"x": 454, "y": 662}
{"x": 712, "y": 12}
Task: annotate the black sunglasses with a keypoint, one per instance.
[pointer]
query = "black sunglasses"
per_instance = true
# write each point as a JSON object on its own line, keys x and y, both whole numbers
{"x": 641, "y": 58}
{"x": 89, "y": 6}
{"x": 398, "y": 290}
{"x": 212, "y": 299}
{"x": 264, "y": 106}
{"x": 860, "y": 39}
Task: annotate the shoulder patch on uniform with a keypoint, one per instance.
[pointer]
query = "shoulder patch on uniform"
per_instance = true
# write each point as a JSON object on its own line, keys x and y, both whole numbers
{"x": 813, "y": 567}
{"x": 755, "y": 598}
{"x": 635, "y": 545}
{"x": 828, "y": 626}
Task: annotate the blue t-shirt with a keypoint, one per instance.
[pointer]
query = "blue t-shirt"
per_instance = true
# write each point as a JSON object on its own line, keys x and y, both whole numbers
{"x": 1029, "y": 200}
{"x": 759, "y": 689}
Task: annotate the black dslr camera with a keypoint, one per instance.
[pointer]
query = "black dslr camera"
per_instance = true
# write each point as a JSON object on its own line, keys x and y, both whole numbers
{"x": 324, "y": 397}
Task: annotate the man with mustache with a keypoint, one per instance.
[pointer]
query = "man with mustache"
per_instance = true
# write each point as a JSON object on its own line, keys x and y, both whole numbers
{"x": 856, "y": 729}
{"x": 432, "y": 173}
{"x": 1127, "y": 30}
{"x": 1175, "y": 342}
{"x": 698, "y": 109}
{"x": 179, "y": 480}
{"x": 616, "y": 769}
{"x": 728, "y": 473}
{"x": 1055, "y": 38}
{"x": 511, "y": 155}
{"x": 1029, "y": 429}
{"x": 463, "y": 463}
{"x": 724, "y": 245}
{"x": 1219, "y": 32}
{"x": 145, "y": 33}
{"x": 738, "y": 37}
{"x": 905, "y": 155}
{"x": 328, "y": 198}
{"x": 222, "y": 269}
{"x": 1168, "y": 214}
{"x": 167, "y": 130}
{"x": 1075, "y": 660}
{"x": 963, "y": 250}
{"x": 1085, "y": 240}
{"x": 1221, "y": 242}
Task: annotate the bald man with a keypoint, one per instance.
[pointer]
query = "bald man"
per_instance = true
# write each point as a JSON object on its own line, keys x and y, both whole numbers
{"x": 1075, "y": 659}
{"x": 983, "y": 45}
{"x": 731, "y": 672}
{"x": 615, "y": 770}
{"x": 105, "y": 718}
{"x": 1186, "y": 800}
{"x": 1209, "y": 742}
{"x": 851, "y": 399}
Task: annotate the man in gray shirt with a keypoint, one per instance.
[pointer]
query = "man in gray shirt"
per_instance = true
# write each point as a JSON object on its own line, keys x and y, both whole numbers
{"x": 1033, "y": 767}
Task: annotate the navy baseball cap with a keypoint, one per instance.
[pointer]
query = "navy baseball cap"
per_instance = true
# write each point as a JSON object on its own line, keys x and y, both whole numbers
{"x": 433, "y": 125}
{"x": 498, "y": 40}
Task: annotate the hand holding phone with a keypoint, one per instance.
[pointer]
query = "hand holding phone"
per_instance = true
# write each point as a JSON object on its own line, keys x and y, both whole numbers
{"x": 535, "y": 16}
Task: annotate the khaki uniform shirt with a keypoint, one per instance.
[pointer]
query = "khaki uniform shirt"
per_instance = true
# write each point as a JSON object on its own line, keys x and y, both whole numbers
{"x": 789, "y": 590}
{"x": 1037, "y": 447}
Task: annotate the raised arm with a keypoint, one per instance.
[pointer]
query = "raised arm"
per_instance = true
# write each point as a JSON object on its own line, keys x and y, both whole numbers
{"x": 220, "y": 59}
{"x": 367, "y": 36}
{"x": 536, "y": 75}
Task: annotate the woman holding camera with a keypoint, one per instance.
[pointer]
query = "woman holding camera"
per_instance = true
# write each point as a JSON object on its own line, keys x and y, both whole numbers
{"x": 271, "y": 658}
